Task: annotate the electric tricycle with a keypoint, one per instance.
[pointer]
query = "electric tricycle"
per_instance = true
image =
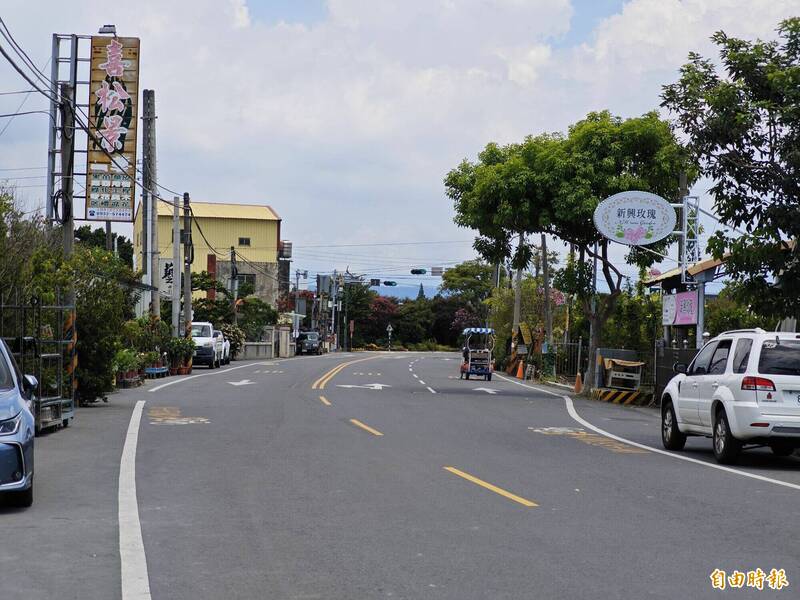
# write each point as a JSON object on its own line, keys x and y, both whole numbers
{"x": 477, "y": 353}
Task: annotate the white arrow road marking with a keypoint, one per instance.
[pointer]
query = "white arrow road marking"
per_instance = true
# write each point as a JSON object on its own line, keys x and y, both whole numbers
{"x": 369, "y": 386}
{"x": 242, "y": 382}
{"x": 487, "y": 390}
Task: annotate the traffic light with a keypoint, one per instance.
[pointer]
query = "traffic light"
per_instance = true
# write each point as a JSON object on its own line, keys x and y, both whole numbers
{"x": 374, "y": 282}
{"x": 418, "y": 271}
{"x": 390, "y": 283}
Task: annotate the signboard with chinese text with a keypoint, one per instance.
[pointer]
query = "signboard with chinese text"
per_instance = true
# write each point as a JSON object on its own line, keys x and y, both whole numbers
{"x": 166, "y": 274}
{"x": 635, "y": 218}
{"x": 679, "y": 309}
{"x": 113, "y": 103}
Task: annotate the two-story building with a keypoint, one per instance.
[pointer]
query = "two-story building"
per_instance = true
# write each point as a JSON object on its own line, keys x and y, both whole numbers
{"x": 252, "y": 230}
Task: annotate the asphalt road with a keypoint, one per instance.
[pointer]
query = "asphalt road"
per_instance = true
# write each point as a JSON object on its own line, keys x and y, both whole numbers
{"x": 390, "y": 478}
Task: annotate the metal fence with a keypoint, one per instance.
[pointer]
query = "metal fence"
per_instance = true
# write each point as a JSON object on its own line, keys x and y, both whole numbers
{"x": 39, "y": 337}
{"x": 570, "y": 357}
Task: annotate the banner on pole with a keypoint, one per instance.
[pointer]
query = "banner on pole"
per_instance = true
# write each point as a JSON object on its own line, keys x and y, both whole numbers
{"x": 113, "y": 103}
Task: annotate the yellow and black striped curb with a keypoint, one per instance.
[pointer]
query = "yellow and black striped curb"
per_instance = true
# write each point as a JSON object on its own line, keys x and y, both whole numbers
{"x": 625, "y": 397}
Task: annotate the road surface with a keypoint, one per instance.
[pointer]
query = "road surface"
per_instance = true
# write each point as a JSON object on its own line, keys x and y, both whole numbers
{"x": 360, "y": 476}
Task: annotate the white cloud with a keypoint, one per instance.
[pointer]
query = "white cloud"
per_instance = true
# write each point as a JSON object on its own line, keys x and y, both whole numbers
{"x": 241, "y": 14}
{"x": 348, "y": 126}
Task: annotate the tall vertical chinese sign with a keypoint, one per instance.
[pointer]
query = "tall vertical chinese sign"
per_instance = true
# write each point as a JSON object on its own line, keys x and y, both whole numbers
{"x": 111, "y": 160}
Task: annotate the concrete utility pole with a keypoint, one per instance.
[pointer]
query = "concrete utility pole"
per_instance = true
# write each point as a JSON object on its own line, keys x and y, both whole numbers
{"x": 234, "y": 287}
{"x": 188, "y": 256}
{"x": 149, "y": 112}
{"x": 109, "y": 237}
{"x": 334, "y": 301}
{"x": 67, "y": 169}
{"x": 176, "y": 266}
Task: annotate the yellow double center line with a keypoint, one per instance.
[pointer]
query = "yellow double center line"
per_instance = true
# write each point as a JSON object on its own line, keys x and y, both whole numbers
{"x": 320, "y": 383}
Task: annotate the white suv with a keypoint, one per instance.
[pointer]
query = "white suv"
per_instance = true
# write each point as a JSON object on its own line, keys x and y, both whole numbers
{"x": 742, "y": 388}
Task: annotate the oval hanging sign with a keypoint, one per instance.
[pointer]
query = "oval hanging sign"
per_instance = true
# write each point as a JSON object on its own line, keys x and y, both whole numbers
{"x": 635, "y": 218}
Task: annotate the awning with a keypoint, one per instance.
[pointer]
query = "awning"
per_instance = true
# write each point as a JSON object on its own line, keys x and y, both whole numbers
{"x": 473, "y": 330}
{"x": 611, "y": 362}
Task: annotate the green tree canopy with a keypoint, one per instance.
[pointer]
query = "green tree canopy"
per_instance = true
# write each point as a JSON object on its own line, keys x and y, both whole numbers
{"x": 743, "y": 126}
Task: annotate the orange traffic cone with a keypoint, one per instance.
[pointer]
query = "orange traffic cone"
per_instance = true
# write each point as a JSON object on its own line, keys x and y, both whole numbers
{"x": 520, "y": 370}
{"x": 578, "y": 383}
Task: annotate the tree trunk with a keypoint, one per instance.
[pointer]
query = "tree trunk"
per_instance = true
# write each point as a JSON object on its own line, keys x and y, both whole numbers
{"x": 548, "y": 313}
{"x": 603, "y": 307}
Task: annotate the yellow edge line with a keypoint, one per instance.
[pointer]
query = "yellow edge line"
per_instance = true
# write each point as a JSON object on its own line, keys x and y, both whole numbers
{"x": 358, "y": 423}
{"x": 491, "y": 487}
{"x": 324, "y": 400}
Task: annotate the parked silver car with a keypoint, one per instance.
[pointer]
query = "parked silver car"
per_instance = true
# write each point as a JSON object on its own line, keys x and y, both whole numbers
{"x": 17, "y": 427}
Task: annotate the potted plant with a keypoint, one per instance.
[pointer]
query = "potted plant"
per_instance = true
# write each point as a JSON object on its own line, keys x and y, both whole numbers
{"x": 174, "y": 350}
{"x": 187, "y": 346}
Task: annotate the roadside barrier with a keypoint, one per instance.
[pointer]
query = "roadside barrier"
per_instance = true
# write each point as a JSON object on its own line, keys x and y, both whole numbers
{"x": 624, "y": 397}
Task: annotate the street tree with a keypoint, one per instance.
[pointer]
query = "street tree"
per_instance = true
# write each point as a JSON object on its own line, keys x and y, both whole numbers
{"x": 742, "y": 122}
{"x": 472, "y": 281}
{"x": 558, "y": 181}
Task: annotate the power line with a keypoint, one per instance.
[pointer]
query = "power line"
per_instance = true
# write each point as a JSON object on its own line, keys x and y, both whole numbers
{"x": 24, "y": 169}
{"x": 386, "y": 244}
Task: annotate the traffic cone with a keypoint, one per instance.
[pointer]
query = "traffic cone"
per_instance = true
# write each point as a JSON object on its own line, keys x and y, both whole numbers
{"x": 578, "y": 383}
{"x": 520, "y": 370}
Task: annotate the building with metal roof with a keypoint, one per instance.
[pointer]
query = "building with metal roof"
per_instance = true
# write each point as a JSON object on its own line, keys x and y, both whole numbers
{"x": 252, "y": 231}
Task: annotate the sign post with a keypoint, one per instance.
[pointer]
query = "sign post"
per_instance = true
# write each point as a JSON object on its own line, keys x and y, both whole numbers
{"x": 389, "y": 330}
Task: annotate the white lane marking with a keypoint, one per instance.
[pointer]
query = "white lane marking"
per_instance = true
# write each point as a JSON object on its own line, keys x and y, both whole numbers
{"x": 431, "y": 390}
{"x": 133, "y": 564}
{"x": 574, "y": 414}
{"x": 416, "y": 376}
{"x": 182, "y": 379}
{"x": 422, "y": 382}
{"x": 242, "y": 382}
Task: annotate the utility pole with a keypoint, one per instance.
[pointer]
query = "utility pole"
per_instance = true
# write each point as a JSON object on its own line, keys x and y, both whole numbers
{"x": 188, "y": 256}
{"x": 149, "y": 116}
{"x": 297, "y": 275}
{"x": 109, "y": 237}
{"x": 234, "y": 283}
{"x": 335, "y": 300}
{"x": 67, "y": 168}
{"x": 176, "y": 266}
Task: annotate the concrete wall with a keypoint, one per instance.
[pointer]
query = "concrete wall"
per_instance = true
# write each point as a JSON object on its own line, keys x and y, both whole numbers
{"x": 266, "y": 275}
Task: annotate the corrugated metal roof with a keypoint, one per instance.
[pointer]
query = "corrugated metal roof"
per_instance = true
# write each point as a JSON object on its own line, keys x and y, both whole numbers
{"x": 220, "y": 210}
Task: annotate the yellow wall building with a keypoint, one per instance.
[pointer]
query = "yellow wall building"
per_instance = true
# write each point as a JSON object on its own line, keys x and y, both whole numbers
{"x": 253, "y": 230}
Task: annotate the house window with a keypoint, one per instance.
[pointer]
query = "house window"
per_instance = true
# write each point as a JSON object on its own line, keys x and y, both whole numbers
{"x": 246, "y": 278}
{"x": 244, "y": 241}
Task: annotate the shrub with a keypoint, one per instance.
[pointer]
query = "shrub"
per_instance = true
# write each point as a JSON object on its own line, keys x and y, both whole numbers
{"x": 236, "y": 336}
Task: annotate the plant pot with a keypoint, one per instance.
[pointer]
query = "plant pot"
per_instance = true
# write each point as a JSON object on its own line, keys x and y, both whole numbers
{"x": 173, "y": 370}
{"x": 183, "y": 370}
